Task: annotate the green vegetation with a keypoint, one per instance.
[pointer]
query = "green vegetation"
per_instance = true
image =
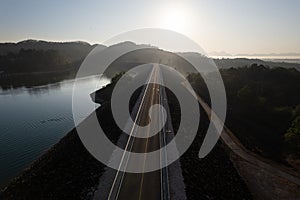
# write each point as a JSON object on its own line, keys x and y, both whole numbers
{"x": 292, "y": 135}
{"x": 263, "y": 108}
{"x": 72, "y": 50}
{"x": 35, "y": 56}
{"x": 32, "y": 61}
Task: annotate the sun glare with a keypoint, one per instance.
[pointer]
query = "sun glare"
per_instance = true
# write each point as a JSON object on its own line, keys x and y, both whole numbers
{"x": 175, "y": 18}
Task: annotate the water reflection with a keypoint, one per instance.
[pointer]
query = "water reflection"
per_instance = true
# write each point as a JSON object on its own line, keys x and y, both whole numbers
{"x": 14, "y": 81}
{"x": 35, "y": 116}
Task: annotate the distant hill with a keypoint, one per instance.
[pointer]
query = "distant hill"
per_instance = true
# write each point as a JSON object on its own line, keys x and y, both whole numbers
{"x": 269, "y": 54}
{"x": 219, "y": 53}
{"x": 241, "y": 62}
{"x": 226, "y": 63}
{"x": 73, "y": 50}
{"x": 254, "y": 55}
{"x": 127, "y": 55}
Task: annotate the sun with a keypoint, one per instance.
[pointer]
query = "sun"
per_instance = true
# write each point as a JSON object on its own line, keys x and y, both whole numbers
{"x": 175, "y": 18}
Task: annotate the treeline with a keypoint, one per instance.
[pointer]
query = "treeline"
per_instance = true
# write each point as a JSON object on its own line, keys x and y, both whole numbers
{"x": 73, "y": 50}
{"x": 226, "y": 63}
{"x": 31, "y": 60}
{"x": 263, "y": 108}
{"x": 36, "y": 55}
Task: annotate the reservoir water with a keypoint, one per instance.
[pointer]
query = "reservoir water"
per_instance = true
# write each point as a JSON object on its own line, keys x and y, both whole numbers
{"x": 35, "y": 118}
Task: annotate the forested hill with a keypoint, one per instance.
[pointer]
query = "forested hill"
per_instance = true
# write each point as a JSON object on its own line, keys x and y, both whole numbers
{"x": 40, "y": 56}
{"x": 72, "y": 50}
{"x": 226, "y": 63}
{"x": 35, "y": 55}
{"x": 263, "y": 109}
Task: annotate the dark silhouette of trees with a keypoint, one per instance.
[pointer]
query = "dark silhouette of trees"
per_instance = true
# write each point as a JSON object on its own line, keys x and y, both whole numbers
{"x": 262, "y": 107}
{"x": 292, "y": 135}
{"x": 32, "y": 61}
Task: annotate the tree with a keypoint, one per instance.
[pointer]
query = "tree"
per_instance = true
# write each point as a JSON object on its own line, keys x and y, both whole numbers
{"x": 292, "y": 137}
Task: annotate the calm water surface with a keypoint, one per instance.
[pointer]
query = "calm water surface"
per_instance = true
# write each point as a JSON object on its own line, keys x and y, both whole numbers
{"x": 34, "y": 119}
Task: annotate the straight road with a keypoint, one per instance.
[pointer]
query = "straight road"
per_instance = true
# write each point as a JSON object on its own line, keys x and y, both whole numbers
{"x": 143, "y": 186}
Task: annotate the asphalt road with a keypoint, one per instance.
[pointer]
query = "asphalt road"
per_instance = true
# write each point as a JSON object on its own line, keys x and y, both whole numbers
{"x": 142, "y": 186}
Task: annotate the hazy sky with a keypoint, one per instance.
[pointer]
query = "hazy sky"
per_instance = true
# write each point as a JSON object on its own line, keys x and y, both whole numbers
{"x": 257, "y": 26}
